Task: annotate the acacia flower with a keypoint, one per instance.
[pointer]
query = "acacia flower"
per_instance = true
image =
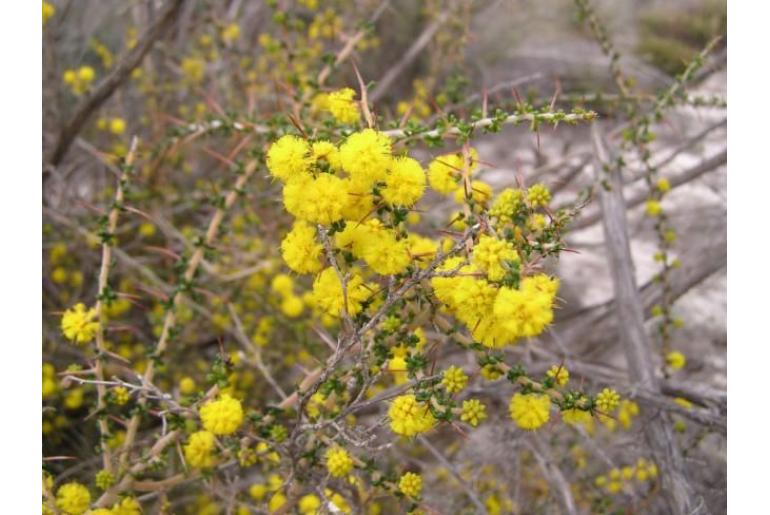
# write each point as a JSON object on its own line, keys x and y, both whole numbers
{"x": 199, "y": 450}
{"x": 530, "y": 410}
{"x": 676, "y": 360}
{"x": 538, "y": 195}
{"x": 607, "y": 400}
{"x": 73, "y": 498}
{"x": 559, "y": 373}
{"x": 222, "y": 416}
{"x": 454, "y": 379}
{"x": 410, "y": 484}
{"x": 473, "y": 412}
{"x": 79, "y": 325}
{"x": 409, "y": 417}
{"x": 338, "y": 462}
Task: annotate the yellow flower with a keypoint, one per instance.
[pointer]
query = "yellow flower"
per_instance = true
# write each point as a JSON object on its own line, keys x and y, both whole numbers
{"x": 494, "y": 256}
{"x": 663, "y": 185}
{"x": 319, "y": 201}
{"x": 120, "y": 395}
{"x": 480, "y": 192}
{"x": 576, "y": 416}
{"x": 117, "y": 126}
{"x": 199, "y": 450}
{"x": 473, "y": 412}
{"x": 559, "y": 373}
{"x": 288, "y": 157}
{"x": 187, "y": 385}
{"x": 676, "y": 360}
{"x": 531, "y": 410}
{"x": 366, "y": 155}
{"x": 292, "y": 306}
{"x": 79, "y": 325}
{"x": 454, "y": 379}
{"x": 338, "y": 462}
{"x": 127, "y": 506}
{"x": 222, "y": 416}
{"x": 193, "y": 69}
{"x": 309, "y": 504}
{"x": 410, "y": 484}
{"x": 300, "y": 249}
{"x": 257, "y": 491}
{"x": 276, "y": 502}
{"x": 405, "y": 183}
{"x": 231, "y": 33}
{"x": 328, "y": 296}
{"x": 73, "y": 498}
{"x": 653, "y": 208}
{"x": 409, "y": 417}
{"x": 48, "y": 11}
{"x": 341, "y": 105}
{"x": 506, "y": 204}
{"x": 538, "y": 195}
{"x": 607, "y": 400}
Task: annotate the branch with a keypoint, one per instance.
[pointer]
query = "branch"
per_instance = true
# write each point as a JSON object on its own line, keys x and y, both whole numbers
{"x": 104, "y": 90}
{"x": 630, "y": 315}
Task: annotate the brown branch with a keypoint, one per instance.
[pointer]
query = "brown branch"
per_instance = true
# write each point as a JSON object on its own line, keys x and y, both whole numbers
{"x": 640, "y": 196}
{"x": 104, "y": 90}
{"x": 630, "y": 315}
{"x": 419, "y": 44}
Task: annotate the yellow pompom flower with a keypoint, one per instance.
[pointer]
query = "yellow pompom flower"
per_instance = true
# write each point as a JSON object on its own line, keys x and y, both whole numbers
{"x": 607, "y": 400}
{"x": 48, "y": 11}
{"x": 288, "y": 157}
{"x": 231, "y": 33}
{"x": 292, "y": 306}
{"x": 538, "y": 195}
{"x": 222, "y": 416}
{"x": 408, "y": 417}
{"x": 480, "y": 192}
{"x": 386, "y": 255}
{"x": 576, "y": 416}
{"x": 199, "y": 449}
{"x": 187, "y": 385}
{"x": 257, "y": 491}
{"x": 341, "y": 105}
{"x": 531, "y": 410}
{"x": 405, "y": 183}
{"x": 120, "y": 395}
{"x": 559, "y": 373}
{"x": 454, "y": 379}
{"x": 301, "y": 250}
{"x": 309, "y": 504}
{"x": 194, "y": 69}
{"x": 79, "y": 325}
{"x": 653, "y": 208}
{"x": 444, "y": 172}
{"x": 366, "y": 155}
{"x": 73, "y": 498}
{"x": 338, "y": 462}
{"x": 319, "y": 201}
{"x": 410, "y": 484}
{"x": 325, "y": 151}
{"x": 473, "y": 412}
{"x": 328, "y": 296}
{"x": 276, "y": 502}
{"x": 676, "y": 360}
{"x": 282, "y": 284}
{"x": 506, "y": 203}
{"x": 127, "y": 506}
{"x": 663, "y": 185}
{"x": 117, "y": 126}
{"x": 492, "y": 256}
{"x": 86, "y": 74}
